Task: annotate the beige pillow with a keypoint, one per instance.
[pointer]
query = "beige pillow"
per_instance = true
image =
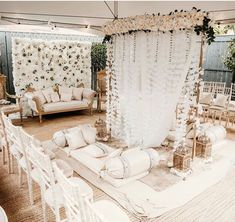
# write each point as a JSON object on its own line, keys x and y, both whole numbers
{"x": 221, "y": 100}
{"x": 47, "y": 93}
{"x": 59, "y": 138}
{"x": 206, "y": 98}
{"x": 40, "y": 96}
{"x": 65, "y": 97}
{"x": 75, "y": 139}
{"x": 77, "y": 93}
{"x": 89, "y": 134}
{"x": 55, "y": 97}
{"x": 65, "y": 89}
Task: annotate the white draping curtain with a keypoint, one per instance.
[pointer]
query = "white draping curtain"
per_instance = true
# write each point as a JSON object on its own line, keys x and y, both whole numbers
{"x": 146, "y": 73}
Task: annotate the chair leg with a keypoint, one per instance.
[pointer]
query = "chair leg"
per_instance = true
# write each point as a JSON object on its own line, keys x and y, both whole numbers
{"x": 20, "y": 175}
{"x": 30, "y": 187}
{"x": 44, "y": 210}
{"x": 32, "y": 113}
{"x": 40, "y": 118}
{"x": 12, "y": 164}
{"x": 21, "y": 117}
{"x": 9, "y": 160}
{"x": 3, "y": 155}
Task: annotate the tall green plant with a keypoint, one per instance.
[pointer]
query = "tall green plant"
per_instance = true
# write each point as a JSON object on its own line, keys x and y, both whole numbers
{"x": 98, "y": 60}
{"x": 230, "y": 58}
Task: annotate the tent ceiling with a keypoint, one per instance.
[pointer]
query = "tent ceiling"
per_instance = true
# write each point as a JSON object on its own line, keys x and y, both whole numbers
{"x": 97, "y": 13}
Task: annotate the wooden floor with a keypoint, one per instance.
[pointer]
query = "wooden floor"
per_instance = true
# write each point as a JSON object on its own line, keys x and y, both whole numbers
{"x": 216, "y": 204}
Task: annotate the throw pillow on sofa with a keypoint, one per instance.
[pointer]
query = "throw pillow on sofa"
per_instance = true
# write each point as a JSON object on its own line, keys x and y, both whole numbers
{"x": 75, "y": 139}
{"x": 77, "y": 93}
{"x": 66, "y": 93}
{"x": 89, "y": 134}
{"x": 47, "y": 93}
{"x": 65, "y": 97}
{"x": 55, "y": 97}
{"x": 40, "y": 96}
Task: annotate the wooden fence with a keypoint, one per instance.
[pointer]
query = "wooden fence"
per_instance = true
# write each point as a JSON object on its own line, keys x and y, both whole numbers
{"x": 214, "y": 67}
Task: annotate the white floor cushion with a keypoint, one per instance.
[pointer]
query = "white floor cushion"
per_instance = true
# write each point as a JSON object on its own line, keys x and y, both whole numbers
{"x": 110, "y": 211}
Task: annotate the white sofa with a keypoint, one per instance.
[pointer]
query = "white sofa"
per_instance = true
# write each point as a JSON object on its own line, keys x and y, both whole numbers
{"x": 54, "y": 100}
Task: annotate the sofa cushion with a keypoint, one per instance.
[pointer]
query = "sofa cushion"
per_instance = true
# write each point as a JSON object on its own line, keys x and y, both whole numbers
{"x": 89, "y": 134}
{"x": 221, "y": 100}
{"x": 88, "y": 94}
{"x": 40, "y": 96}
{"x": 77, "y": 93}
{"x": 65, "y": 97}
{"x": 205, "y": 98}
{"x": 75, "y": 139}
{"x": 55, "y": 97}
{"x": 47, "y": 93}
{"x": 63, "y": 106}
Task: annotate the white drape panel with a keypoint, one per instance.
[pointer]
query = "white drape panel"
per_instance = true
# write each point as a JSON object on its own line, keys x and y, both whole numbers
{"x": 147, "y": 71}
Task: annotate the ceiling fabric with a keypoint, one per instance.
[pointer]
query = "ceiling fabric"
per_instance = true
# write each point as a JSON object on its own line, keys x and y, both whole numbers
{"x": 97, "y": 13}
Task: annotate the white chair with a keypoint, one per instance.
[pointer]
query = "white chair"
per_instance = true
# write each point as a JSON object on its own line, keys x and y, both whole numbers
{"x": 207, "y": 87}
{"x": 4, "y": 141}
{"x": 80, "y": 209}
{"x": 50, "y": 190}
{"x": 18, "y": 142}
{"x": 219, "y": 88}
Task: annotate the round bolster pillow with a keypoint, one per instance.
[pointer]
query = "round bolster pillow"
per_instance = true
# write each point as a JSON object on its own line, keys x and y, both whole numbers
{"x": 131, "y": 163}
{"x": 216, "y": 133}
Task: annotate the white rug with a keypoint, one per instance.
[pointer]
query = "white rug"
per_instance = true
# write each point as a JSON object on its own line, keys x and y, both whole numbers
{"x": 142, "y": 200}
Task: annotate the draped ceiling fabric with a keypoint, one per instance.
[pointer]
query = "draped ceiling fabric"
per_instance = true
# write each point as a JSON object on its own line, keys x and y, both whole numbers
{"x": 147, "y": 71}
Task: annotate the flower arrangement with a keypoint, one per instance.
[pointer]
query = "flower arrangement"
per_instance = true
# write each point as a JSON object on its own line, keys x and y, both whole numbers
{"x": 195, "y": 19}
{"x": 41, "y": 64}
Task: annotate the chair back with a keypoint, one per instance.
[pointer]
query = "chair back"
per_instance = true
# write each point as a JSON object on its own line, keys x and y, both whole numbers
{"x": 43, "y": 163}
{"x": 219, "y": 87}
{"x": 69, "y": 194}
{"x": 76, "y": 206}
{"x": 14, "y": 136}
{"x": 208, "y": 87}
{"x": 233, "y": 91}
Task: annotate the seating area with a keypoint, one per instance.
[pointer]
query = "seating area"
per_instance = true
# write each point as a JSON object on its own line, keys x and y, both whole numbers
{"x": 217, "y": 102}
{"x": 117, "y": 111}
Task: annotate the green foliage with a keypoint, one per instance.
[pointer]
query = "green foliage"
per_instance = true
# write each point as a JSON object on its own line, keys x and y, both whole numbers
{"x": 98, "y": 56}
{"x": 223, "y": 30}
{"x": 230, "y": 59}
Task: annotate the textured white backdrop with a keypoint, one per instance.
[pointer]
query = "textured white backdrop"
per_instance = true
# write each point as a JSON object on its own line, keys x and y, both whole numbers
{"x": 42, "y": 63}
{"x": 148, "y": 71}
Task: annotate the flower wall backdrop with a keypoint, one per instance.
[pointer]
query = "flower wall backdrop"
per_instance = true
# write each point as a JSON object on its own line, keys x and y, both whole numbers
{"x": 41, "y": 64}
